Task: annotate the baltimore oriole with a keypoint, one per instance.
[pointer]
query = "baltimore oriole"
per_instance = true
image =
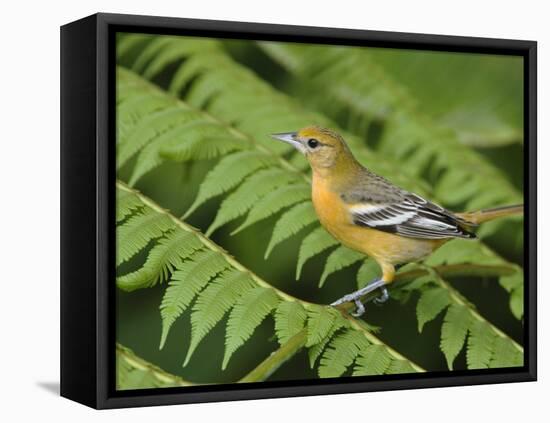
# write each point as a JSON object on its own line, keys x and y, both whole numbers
{"x": 367, "y": 213}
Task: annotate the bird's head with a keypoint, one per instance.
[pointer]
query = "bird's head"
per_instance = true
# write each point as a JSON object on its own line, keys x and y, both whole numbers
{"x": 325, "y": 149}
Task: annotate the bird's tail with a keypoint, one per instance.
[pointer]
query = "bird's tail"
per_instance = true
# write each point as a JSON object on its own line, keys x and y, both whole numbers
{"x": 481, "y": 216}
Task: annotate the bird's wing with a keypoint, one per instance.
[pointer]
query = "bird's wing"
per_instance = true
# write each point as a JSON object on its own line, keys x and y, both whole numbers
{"x": 411, "y": 216}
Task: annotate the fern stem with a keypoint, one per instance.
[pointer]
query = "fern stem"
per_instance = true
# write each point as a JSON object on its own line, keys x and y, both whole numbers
{"x": 277, "y": 358}
{"x": 208, "y": 243}
{"x": 139, "y": 363}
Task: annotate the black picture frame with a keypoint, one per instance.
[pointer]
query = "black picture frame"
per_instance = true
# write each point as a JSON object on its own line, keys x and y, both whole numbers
{"x": 88, "y": 197}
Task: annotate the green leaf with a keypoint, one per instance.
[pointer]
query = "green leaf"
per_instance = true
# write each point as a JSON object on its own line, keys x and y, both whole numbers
{"x": 480, "y": 345}
{"x": 126, "y": 204}
{"x": 341, "y": 353}
{"x": 338, "y": 259}
{"x": 514, "y": 285}
{"x": 213, "y": 302}
{"x": 398, "y": 367}
{"x": 150, "y": 128}
{"x": 247, "y": 195}
{"x": 186, "y": 282}
{"x": 516, "y": 302}
{"x": 453, "y": 332}
{"x": 275, "y": 201}
{"x": 202, "y": 139}
{"x": 373, "y": 360}
{"x": 134, "y": 235}
{"x": 175, "y": 51}
{"x": 248, "y": 313}
{"x": 505, "y": 354}
{"x": 126, "y": 42}
{"x": 313, "y": 244}
{"x": 150, "y": 156}
{"x": 319, "y": 323}
{"x": 290, "y": 318}
{"x": 317, "y": 349}
{"x": 431, "y": 303}
{"x": 228, "y": 173}
{"x": 135, "y": 106}
{"x": 161, "y": 261}
{"x": 151, "y": 50}
{"x": 290, "y": 223}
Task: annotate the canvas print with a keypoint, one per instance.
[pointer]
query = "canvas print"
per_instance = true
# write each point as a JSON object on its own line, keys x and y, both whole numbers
{"x": 291, "y": 212}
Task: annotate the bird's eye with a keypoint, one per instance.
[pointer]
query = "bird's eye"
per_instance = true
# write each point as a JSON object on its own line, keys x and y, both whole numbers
{"x": 312, "y": 143}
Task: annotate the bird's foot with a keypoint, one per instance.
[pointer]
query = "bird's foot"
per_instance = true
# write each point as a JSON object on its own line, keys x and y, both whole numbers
{"x": 382, "y": 298}
{"x": 355, "y": 296}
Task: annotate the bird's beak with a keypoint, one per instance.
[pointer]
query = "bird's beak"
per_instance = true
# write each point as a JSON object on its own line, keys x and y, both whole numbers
{"x": 290, "y": 138}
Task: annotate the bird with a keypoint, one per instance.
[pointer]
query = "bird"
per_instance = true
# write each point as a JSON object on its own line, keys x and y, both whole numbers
{"x": 368, "y": 213}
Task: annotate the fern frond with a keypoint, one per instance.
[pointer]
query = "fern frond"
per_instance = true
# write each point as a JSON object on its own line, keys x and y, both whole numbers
{"x": 313, "y": 244}
{"x": 505, "y": 354}
{"x": 127, "y": 42}
{"x": 432, "y": 302}
{"x": 126, "y": 204}
{"x": 290, "y": 223}
{"x": 251, "y": 309}
{"x": 273, "y": 202}
{"x": 161, "y": 261}
{"x": 152, "y": 48}
{"x": 175, "y": 51}
{"x": 320, "y": 320}
{"x": 290, "y": 318}
{"x": 132, "y": 108}
{"x": 341, "y": 353}
{"x": 228, "y": 173}
{"x": 399, "y": 367}
{"x": 186, "y": 282}
{"x": 248, "y": 193}
{"x": 372, "y": 360}
{"x": 147, "y": 130}
{"x": 317, "y": 349}
{"x": 202, "y": 149}
{"x": 454, "y": 331}
{"x": 480, "y": 345}
{"x": 137, "y": 232}
{"x": 338, "y": 259}
{"x": 514, "y": 285}
{"x": 213, "y": 302}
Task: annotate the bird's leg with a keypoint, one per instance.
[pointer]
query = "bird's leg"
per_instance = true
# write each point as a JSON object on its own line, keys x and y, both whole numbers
{"x": 356, "y": 296}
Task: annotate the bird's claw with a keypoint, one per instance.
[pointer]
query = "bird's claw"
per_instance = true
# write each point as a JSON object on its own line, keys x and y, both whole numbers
{"x": 355, "y": 297}
{"x": 382, "y": 298}
{"x": 360, "y": 310}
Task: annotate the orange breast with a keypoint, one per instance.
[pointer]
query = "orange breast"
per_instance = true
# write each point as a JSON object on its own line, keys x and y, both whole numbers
{"x": 383, "y": 246}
